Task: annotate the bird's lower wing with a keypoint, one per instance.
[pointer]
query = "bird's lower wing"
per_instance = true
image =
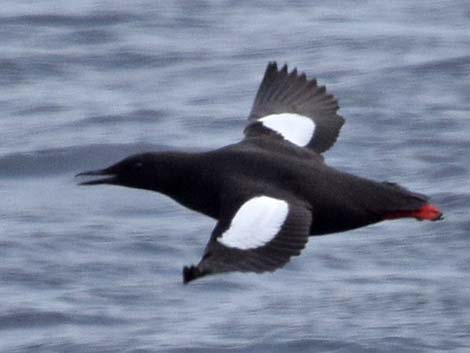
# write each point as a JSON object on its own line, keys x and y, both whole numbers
{"x": 261, "y": 235}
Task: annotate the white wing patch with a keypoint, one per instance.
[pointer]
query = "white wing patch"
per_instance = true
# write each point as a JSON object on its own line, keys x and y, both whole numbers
{"x": 295, "y": 128}
{"x": 256, "y": 223}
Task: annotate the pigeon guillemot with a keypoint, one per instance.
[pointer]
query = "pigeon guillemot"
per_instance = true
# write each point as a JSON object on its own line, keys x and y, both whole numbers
{"x": 272, "y": 190}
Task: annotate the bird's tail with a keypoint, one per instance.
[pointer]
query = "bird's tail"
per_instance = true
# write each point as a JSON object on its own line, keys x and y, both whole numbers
{"x": 416, "y": 206}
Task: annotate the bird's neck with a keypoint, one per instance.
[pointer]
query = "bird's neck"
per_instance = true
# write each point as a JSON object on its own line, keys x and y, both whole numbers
{"x": 185, "y": 178}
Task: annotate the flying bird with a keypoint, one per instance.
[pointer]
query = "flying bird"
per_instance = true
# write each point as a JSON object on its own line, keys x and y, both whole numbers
{"x": 272, "y": 190}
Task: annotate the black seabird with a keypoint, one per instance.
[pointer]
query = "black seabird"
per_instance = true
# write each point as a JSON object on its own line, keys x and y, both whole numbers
{"x": 272, "y": 190}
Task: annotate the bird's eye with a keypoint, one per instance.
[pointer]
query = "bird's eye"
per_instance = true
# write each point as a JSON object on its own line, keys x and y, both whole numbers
{"x": 138, "y": 165}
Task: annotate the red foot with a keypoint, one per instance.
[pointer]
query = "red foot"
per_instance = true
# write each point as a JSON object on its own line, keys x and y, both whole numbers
{"x": 427, "y": 212}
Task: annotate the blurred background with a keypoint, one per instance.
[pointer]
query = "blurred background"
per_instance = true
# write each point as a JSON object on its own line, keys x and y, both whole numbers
{"x": 85, "y": 83}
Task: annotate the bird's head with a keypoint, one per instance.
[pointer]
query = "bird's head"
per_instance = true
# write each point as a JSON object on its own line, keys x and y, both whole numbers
{"x": 138, "y": 171}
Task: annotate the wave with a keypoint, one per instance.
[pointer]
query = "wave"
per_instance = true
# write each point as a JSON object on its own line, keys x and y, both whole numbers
{"x": 60, "y": 20}
{"x": 69, "y": 159}
{"x": 33, "y": 318}
{"x": 457, "y": 66}
{"x": 136, "y": 117}
{"x": 386, "y": 344}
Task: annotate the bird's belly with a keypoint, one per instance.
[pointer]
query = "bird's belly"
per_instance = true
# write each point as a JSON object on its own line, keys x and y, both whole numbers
{"x": 340, "y": 222}
{"x": 339, "y": 217}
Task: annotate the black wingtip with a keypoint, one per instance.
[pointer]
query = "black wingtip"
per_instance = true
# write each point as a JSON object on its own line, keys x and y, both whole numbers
{"x": 272, "y": 66}
{"x": 190, "y": 273}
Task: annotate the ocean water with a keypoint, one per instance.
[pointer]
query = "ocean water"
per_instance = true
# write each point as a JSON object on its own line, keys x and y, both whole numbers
{"x": 85, "y": 83}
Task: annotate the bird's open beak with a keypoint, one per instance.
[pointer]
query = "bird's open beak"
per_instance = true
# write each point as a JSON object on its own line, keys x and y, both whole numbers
{"x": 110, "y": 178}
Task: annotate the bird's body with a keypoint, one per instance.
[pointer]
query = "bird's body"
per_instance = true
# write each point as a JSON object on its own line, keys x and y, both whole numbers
{"x": 271, "y": 190}
{"x": 233, "y": 174}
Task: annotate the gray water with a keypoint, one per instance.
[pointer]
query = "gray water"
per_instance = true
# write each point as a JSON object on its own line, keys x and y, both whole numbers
{"x": 85, "y": 83}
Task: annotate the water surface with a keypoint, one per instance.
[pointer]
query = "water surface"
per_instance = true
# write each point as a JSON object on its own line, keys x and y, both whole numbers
{"x": 83, "y": 84}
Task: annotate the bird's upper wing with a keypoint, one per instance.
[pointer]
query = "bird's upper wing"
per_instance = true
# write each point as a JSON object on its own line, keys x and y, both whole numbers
{"x": 261, "y": 235}
{"x": 288, "y": 105}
